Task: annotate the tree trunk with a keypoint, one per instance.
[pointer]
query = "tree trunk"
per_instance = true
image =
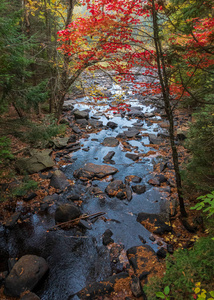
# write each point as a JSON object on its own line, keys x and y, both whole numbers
{"x": 163, "y": 78}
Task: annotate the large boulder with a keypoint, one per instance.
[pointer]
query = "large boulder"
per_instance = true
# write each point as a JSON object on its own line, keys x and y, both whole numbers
{"x": 110, "y": 142}
{"x": 25, "y": 275}
{"x": 92, "y": 171}
{"x": 81, "y": 114}
{"x": 30, "y": 296}
{"x": 66, "y": 212}
{"x": 112, "y": 125}
{"x": 39, "y": 161}
{"x": 60, "y": 142}
{"x": 59, "y": 180}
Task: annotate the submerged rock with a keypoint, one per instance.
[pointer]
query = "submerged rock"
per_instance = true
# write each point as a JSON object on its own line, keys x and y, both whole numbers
{"x": 139, "y": 189}
{"x": 25, "y": 275}
{"x": 92, "y": 171}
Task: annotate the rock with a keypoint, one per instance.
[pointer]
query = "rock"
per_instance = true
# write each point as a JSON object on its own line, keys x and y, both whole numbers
{"x": 133, "y": 178}
{"x": 72, "y": 138}
{"x": 11, "y": 221}
{"x": 161, "y": 252}
{"x": 85, "y": 224}
{"x": 25, "y": 275}
{"x": 76, "y": 129}
{"x": 115, "y": 187}
{"x": 39, "y": 161}
{"x": 112, "y": 125}
{"x": 60, "y": 143}
{"x": 149, "y": 115}
{"x": 135, "y": 112}
{"x": 182, "y": 133}
{"x": 30, "y": 296}
{"x": 139, "y": 189}
{"x": 11, "y": 263}
{"x": 100, "y": 288}
{"x": 110, "y": 142}
{"x": 73, "y": 197}
{"x": 143, "y": 259}
{"x": 170, "y": 248}
{"x": 157, "y": 180}
{"x": 153, "y": 139}
{"x": 107, "y": 237}
{"x": 128, "y": 193}
{"x": 67, "y": 107}
{"x": 66, "y": 212}
{"x": 136, "y": 287}
{"x": 152, "y": 238}
{"x": 81, "y": 114}
{"x": 132, "y": 156}
{"x": 59, "y": 180}
{"x": 109, "y": 156}
{"x": 142, "y": 239}
{"x": 95, "y": 123}
{"x": 3, "y": 276}
{"x": 64, "y": 121}
{"x": 132, "y": 132}
{"x": 29, "y": 197}
{"x": 92, "y": 171}
{"x": 153, "y": 221}
{"x": 82, "y": 122}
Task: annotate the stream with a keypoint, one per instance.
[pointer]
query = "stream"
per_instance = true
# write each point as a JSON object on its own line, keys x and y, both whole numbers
{"x": 78, "y": 257}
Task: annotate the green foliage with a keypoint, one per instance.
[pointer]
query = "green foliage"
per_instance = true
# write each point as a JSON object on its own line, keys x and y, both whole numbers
{"x": 200, "y": 170}
{"x": 5, "y": 149}
{"x": 165, "y": 293}
{"x": 206, "y": 203}
{"x": 41, "y": 134}
{"x": 26, "y": 186}
{"x": 183, "y": 270}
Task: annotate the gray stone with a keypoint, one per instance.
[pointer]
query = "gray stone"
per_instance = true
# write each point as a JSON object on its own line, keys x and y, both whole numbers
{"x": 132, "y": 132}
{"x": 82, "y": 122}
{"x": 115, "y": 187}
{"x": 25, "y": 275}
{"x": 153, "y": 139}
{"x": 66, "y": 212}
{"x": 95, "y": 123}
{"x": 39, "y": 161}
{"x": 59, "y": 180}
{"x": 81, "y": 114}
{"x": 110, "y": 142}
{"x": 76, "y": 129}
{"x": 109, "y": 155}
{"x": 136, "y": 287}
{"x": 133, "y": 178}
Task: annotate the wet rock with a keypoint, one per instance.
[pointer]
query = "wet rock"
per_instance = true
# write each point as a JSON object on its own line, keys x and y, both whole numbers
{"x": 132, "y": 156}
{"x": 72, "y": 139}
{"x": 82, "y": 122}
{"x": 29, "y": 197}
{"x": 139, "y": 189}
{"x": 110, "y": 142}
{"x": 136, "y": 287}
{"x": 142, "y": 239}
{"x": 153, "y": 221}
{"x": 85, "y": 224}
{"x": 67, "y": 107}
{"x": 11, "y": 221}
{"x": 161, "y": 252}
{"x": 115, "y": 187}
{"x": 95, "y": 190}
{"x": 128, "y": 193}
{"x": 153, "y": 139}
{"x": 60, "y": 143}
{"x": 112, "y": 125}
{"x": 133, "y": 178}
{"x": 132, "y": 132}
{"x": 66, "y": 212}
{"x": 30, "y": 296}
{"x": 25, "y": 275}
{"x": 109, "y": 156}
{"x": 86, "y": 149}
{"x": 101, "y": 288}
{"x": 92, "y": 171}
{"x": 152, "y": 238}
{"x": 107, "y": 237}
{"x": 157, "y": 180}
{"x": 76, "y": 129}
{"x": 182, "y": 133}
{"x": 73, "y": 197}
{"x": 11, "y": 263}
{"x": 59, "y": 180}
{"x": 81, "y": 114}
{"x": 51, "y": 198}
{"x": 64, "y": 121}
{"x": 3, "y": 276}
{"x": 135, "y": 112}
{"x": 149, "y": 115}
{"x": 39, "y": 161}
{"x": 143, "y": 259}
{"x": 95, "y": 123}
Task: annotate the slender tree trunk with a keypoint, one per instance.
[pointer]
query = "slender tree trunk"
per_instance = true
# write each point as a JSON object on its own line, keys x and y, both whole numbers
{"x": 163, "y": 78}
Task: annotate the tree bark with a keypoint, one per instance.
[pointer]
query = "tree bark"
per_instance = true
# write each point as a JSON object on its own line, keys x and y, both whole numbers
{"x": 163, "y": 78}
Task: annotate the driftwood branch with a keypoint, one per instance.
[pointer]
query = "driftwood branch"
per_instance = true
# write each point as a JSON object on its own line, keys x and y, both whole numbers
{"x": 92, "y": 216}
